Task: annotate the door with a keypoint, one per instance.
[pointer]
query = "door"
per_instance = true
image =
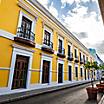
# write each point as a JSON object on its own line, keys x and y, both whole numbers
{"x": 70, "y": 73}
{"x": 60, "y": 73}
{"x": 45, "y": 72}
{"x": 20, "y": 72}
{"x": 76, "y": 72}
{"x": 85, "y": 73}
{"x": 26, "y": 27}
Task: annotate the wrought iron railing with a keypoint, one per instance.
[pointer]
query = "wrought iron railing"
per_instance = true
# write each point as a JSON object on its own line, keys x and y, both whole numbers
{"x": 48, "y": 43}
{"x": 25, "y": 33}
{"x": 61, "y": 50}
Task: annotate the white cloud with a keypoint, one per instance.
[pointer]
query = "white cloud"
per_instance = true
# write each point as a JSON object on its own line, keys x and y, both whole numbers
{"x": 53, "y": 10}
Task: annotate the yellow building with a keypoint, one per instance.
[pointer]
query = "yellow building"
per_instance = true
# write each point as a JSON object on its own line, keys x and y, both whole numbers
{"x": 36, "y": 50}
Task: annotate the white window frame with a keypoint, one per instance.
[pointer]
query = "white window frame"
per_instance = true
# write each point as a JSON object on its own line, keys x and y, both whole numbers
{"x": 47, "y": 58}
{"x": 51, "y": 34}
{"x": 28, "y": 17}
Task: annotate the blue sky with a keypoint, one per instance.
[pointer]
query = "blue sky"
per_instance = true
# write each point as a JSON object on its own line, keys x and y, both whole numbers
{"x": 82, "y": 18}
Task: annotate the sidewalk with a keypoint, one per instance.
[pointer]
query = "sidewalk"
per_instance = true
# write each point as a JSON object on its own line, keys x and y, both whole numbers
{"x": 102, "y": 100}
{"x": 26, "y": 94}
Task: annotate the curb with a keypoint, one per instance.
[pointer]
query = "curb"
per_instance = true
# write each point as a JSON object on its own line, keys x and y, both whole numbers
{"x": 22, "y": 95}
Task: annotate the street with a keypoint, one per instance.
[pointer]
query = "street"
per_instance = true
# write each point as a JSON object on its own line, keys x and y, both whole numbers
{"x": 74, "y": 95}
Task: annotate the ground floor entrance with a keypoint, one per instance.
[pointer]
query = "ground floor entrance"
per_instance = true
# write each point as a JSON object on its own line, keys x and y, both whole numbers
{"x": 20, "y": 72}
{"x": 60, "y": 73}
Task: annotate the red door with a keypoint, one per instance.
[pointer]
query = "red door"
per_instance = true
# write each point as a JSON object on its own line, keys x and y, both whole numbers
{"x": 20, "y": 72}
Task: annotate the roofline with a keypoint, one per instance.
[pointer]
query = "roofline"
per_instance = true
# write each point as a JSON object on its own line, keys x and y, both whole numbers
{"x": 50, "y": 16}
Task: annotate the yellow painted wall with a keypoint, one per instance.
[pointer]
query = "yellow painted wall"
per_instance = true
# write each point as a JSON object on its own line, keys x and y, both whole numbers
{"x": 4, "y": 76}
{"x": 9, "y": 13}
{"x": 6, "y": 52}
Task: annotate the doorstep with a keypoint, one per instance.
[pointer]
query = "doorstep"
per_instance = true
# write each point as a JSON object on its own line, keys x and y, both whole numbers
{"x": 26, "y": 94}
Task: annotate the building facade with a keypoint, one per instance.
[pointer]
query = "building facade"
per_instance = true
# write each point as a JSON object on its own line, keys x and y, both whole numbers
{"x": 37, "y": 51}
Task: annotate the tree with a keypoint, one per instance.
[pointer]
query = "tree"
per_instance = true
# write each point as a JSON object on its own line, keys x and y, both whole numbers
{"x": 91, "y": 67}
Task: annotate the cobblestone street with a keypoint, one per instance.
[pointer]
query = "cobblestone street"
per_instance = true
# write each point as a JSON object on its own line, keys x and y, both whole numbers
{"x": 75, "y": 95}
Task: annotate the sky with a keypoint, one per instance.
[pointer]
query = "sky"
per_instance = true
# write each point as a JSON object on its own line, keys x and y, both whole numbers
{"x": 82, "y": 18}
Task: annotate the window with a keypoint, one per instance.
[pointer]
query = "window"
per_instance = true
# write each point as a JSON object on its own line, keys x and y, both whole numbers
{"x": 60, "y": 48}
{"x": 69, "y": 50}
{"x": 47, "y": 40}
{"x": 80, "y": 57}
{"x": 47, "y": 36}
{"x": 75, "y": 51}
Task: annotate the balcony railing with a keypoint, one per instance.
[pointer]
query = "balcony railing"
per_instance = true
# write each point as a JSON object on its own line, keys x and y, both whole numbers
{"x": 48, "y": 43}
{"x": 70, "y": 56}
{"x": 47, "y": 46}
{"x": 81, "y": 61}
{"x": 61, "y": 52}
{"x": 76, "y": 59}
{"x": 26, "y": 34}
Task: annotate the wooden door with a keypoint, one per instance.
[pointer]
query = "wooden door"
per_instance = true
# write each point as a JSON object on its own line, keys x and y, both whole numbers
{"x": 45, "y": 72}
{"x": 60, "y": 73}
{"x": 20, "y": 72}
{"x": 70, "y": 73}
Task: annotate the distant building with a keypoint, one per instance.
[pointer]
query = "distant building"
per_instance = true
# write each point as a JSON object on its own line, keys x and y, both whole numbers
{"x": 98, "y": 60}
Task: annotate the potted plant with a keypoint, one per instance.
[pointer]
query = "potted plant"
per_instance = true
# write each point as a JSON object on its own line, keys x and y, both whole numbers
{"x": 91, "y": 91}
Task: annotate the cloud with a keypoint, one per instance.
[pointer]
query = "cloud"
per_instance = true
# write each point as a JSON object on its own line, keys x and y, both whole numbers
{"x": 100, "y": 47}
{"x": 82, "y": 35}
{"x": 53, "y": 10}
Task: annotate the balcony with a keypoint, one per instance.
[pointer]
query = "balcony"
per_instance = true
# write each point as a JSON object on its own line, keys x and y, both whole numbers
{"x": 70, "y": 56}
{"x": 76, "y": 59}
{"x": 81, "y": 61}
{"x": 47, "y": 46}
{"x": 25, "y": 36}
{"x": 61, "y": 52}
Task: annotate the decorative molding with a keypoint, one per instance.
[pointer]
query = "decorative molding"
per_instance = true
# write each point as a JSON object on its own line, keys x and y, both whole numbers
{"x": 46, "y": 55}
{"x": 6, "y": 34}
{"x": 35, "y": 70}
{"x": 23, "y": 5}
{"x": 4, "y": 68}
{"x": 22, "y": 48}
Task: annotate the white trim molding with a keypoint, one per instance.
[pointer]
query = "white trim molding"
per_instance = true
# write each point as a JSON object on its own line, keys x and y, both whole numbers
{"x": 4, "y": 68}
{"x": 47, "y": 58}
{"x": 6, "y": 34}
{"x": 23, "y": 52}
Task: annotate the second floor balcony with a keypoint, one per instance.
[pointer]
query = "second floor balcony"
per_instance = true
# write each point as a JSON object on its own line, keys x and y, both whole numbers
{"x": 76, "y": 59}
{"x": 25, "y": 36}
{"x": 61, "y": 52}
{"x": 81, "y": 61}
{"x": 70, "y": 56}
{"x": 47, "y": 46}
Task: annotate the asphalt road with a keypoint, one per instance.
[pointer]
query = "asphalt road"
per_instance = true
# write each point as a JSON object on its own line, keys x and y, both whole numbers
{"x": 74, "y": 95}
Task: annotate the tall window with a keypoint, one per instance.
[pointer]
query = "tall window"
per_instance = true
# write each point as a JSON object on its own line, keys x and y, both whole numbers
{"x": 75, "y": 51}
{"x": 69, "y": 50}
{"x": 47, "y": 36}
{"x": 26, "y": 27}
{"x": 80, "y": 57}
{"x": 84, "y": 58}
